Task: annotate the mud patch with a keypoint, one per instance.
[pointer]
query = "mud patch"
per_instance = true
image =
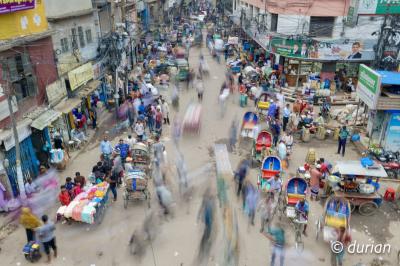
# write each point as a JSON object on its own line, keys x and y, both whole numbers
{"x": 7, "y": 230}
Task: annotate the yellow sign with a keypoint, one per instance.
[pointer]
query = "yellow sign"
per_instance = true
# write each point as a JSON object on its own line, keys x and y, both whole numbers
{"x": 23, "y": 23}
{"x": 80, "y": 76}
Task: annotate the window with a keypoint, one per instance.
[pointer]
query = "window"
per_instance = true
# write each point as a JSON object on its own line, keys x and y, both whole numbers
{"x": 89, "y": 36}
{"x": 274, "y": 22}
{"x": 81, "y": 37}
{"x": 64, "y": 45}
{"x": 74, "y": 39}
{"x": 21, "y": 76}
{"x": 321, "y": 26}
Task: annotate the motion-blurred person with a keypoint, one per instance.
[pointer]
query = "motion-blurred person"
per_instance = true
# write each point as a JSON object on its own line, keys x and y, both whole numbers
{"x": 30, "y": 187}
{"x": 276, "y": 131}
{"x": 282, "y": 151}
{"x": 277, "y": 237}
{"x": 139, "y": 130}
{"x": 233, "y": 131}
{"x": 164, "y": 198}
{"x": 165, "y": 111}
{"x": 200, "y": 89}
{"x": 30, "y": 222}
{"x": 265, "y": 208}
{"x": 251, "y": 202}
{"x": 240, "y": 175}
{"x": 206, "y": 214}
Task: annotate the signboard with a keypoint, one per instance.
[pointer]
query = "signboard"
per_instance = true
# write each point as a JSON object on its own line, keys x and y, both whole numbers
{"x": 233, "y": 40}
{"x": 368, "y": 87}
{"x": 56, "y": 91}
{"x": 4, "y": 110}
{"x": 80, "y": 76}
{"x": 24, "y": 22}
{"x": 345, "y": 50}
{"x": 392, "y": 142}
{"x": 98, "y": 69}
{"x": 379, "y": 7}
{"x": 8, "y": 6}
{"x": 291, "y": 48}
{"x": 335, "y": 50}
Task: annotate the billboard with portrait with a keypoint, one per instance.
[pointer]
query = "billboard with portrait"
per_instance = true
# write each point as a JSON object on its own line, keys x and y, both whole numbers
{"x": 335, "y": 50}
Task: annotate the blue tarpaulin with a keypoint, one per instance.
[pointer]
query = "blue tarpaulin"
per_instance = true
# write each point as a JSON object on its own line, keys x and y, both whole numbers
{"x": 389, "y": 77}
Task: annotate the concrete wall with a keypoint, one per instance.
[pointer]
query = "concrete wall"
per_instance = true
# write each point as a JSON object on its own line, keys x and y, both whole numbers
{"x": 67, "y": 61}
{"x": 292, "y": 24}
{"x": 55, "y": 8}
{"x": 363, "y": 30}
{"x": 43, "y": 65}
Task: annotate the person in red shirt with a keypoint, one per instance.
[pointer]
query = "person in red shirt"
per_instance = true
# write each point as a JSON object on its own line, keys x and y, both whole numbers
{"x": 77, "y": 189}
{"x": 64, "y": 196}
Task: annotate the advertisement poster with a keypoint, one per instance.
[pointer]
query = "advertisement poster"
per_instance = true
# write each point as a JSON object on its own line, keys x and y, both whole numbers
{"x": 9, "y": 6}
{"x": 340, "y": 50}
{"x": 392, "y": 142}
{"x": 291, "y": 48}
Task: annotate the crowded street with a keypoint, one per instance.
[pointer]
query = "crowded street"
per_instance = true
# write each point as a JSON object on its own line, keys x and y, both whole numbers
{"x": 206, "y": 150}
{"x": 178, "y": 237}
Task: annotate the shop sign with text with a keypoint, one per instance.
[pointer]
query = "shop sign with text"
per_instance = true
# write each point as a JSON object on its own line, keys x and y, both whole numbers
{"x": 79, "y": 76}
{"x": 368, "y": 86}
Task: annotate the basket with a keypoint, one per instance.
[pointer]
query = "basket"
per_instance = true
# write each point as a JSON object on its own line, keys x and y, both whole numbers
{"x": 136, "y": 184}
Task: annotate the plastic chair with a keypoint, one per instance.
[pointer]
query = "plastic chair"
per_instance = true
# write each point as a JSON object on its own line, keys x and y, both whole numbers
{"x": 390, "y": 194}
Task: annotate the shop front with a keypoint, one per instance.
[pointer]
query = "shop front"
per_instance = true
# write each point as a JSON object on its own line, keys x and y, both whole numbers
{"x": 379, "y": 90}
{"x": 29, "y": 161}
{"x": 335, "y": 61}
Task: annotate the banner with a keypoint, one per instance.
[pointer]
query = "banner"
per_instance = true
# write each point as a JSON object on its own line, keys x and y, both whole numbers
{"x": 335, "y": 50}
{"x": 9, "y": 6}
{"x": 80, "y": 76}
{"x": 368, "y": 86}
{"x": 379, "y": 7}
{"x": 291, "y": 48}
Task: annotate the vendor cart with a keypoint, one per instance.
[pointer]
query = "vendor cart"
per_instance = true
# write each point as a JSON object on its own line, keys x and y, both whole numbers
{"x": 135, "y": 184}
{"x": 88, "y": 206}
{"x": 336, "y": 215}
{"x": 192, "y": 119}
{"x": 359, "y": 185}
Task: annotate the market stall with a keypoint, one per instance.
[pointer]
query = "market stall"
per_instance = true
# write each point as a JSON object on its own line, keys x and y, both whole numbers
{"x": 88, "y": 206}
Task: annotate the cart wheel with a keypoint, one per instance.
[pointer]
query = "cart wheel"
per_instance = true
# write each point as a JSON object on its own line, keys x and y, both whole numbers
{"x": 367, "y": 208}
{"x": 352, "y": 207}
{"x": 318, "y": 230}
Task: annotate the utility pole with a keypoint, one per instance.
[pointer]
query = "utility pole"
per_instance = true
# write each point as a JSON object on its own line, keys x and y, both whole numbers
{"x": 20, "y": 178}
{"x": 112, "y": 16}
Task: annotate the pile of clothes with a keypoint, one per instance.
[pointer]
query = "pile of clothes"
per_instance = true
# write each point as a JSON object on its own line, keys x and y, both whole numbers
{"x": 83, "y": 207}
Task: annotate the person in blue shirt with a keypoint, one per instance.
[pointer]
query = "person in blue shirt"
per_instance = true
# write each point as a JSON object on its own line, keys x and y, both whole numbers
{"x": 302, "y": 210}
{"x": 106, "y": 147}
{"x": 276, "y": 131}
{"x": 141, "y": 108}
{"x": 123, "y": 150}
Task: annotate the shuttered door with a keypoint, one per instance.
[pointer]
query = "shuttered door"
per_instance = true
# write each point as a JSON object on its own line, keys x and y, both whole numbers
{"x": 321, "y": 26}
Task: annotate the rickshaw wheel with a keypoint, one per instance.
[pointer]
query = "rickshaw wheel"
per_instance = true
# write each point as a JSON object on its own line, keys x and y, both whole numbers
{"x": 352, "y": 207}
{"x": 367, "y": 208}
{"x": 318, "y": 229}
